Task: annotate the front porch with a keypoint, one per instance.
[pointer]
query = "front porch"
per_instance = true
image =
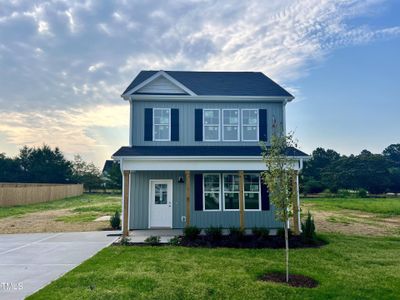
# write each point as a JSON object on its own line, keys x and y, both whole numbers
{"x": 183, "y": 189}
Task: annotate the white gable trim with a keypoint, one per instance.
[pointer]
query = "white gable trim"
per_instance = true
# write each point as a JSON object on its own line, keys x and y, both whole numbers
{"x": 155, "y": 76}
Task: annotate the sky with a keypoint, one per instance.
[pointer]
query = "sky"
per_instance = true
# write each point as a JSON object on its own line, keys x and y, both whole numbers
{"x": 64, "y": 65}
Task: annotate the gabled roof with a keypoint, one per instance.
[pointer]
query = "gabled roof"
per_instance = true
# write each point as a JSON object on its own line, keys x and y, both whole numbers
{"x": 217, "y": 83}
{"x": 199, "y": 151}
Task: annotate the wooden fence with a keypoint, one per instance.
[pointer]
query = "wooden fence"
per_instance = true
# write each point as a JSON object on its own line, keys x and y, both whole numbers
{"x": 27, "y": 193}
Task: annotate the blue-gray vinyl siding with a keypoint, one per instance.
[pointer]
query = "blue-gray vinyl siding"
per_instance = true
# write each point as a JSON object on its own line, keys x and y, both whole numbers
{"x": 139, "y": 205}
{"x": 186, "y": 120}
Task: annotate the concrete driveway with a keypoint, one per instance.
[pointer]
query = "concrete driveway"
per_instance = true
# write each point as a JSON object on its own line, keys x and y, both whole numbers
{"x": 29, "y": 262}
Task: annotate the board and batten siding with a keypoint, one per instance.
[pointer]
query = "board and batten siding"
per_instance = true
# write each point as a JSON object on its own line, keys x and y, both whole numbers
{"x": 186, "y": 121}
{"x": 161, "y": 85}
{"x": 139, "y": 205}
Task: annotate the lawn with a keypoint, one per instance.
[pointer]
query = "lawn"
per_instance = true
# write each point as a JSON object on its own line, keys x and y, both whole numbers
{"x": 384, "y": 206}
{"x": 70, "y": 214}
{"x": 347, "y": 268}
{"x": 84, "y": 203}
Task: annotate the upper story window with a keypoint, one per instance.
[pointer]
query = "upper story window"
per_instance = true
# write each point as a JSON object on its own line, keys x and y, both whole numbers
{"x": 211, "y": 123}
{"x": 161, "y": 124}
{"x": 230, "y": 125}
{"x": 250, "y": 124}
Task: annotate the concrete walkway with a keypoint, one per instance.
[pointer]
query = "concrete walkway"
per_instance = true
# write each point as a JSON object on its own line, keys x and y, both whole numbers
{"x": 29, "y": 262}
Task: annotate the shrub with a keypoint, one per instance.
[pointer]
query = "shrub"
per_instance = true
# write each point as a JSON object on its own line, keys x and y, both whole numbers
{"x": 343, "y": 194}
{"x": 281, "y": 232}
{"x": 125, "y": 241}
{"x": 152, "y": 240}
{"x": 362, "y": 193}
{"x": 214, "y": 233}
{"x": 236, "y": 233}
{"x": 115, "y": 221}
{"x": 191, "y": 232}
{"x": 260, "y": 232}
{"x": 308, "y": 229}
{"x": 175, "y": 241}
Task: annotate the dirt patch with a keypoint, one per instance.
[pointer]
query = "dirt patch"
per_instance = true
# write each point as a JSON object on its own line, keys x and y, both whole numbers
{"x": 46, "y": 222}
{"x": 354, "y": 222}
{"x": 295, "y": 280}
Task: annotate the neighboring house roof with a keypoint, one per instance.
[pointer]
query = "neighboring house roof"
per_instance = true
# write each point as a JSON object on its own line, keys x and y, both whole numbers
{"x": 108, "y": 165}
{"x": 198, "y": 151}
{"x": 219, "y": 83}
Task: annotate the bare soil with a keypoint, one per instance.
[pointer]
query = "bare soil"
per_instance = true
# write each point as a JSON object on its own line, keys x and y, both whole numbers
{"x": 46, "y": 222}
{"x": 354, "y": 222}
{"x": 295, "y": 280}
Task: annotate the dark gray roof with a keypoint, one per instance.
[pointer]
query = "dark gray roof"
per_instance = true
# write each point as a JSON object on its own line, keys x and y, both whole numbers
{"x": 221, "y": 83}
{"x": 198, "y": 151}
{"x": 108, "y": 164}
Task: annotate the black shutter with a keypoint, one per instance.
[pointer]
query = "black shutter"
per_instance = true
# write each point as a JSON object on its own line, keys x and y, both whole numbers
{"x": 198, "y": 124}
{"x": 148, "y": 124}
{"x": 198, "y": 191}
{"x": 264, "y": 197}
{"x": 174, "y": 124}
{"x": 263, "y": 125}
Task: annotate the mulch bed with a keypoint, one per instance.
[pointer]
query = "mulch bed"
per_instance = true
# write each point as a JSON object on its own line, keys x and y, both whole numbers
{"x": 250, "y": 241}
{"x": 295, "y": 280}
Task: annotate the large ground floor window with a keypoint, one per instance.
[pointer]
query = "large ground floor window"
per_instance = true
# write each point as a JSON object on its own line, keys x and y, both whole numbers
{"x": 224, "y": 188}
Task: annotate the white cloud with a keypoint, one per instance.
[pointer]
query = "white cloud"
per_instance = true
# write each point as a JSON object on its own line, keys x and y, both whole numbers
{"x": 95, "y": 67}
{"x": 67, "y": 129}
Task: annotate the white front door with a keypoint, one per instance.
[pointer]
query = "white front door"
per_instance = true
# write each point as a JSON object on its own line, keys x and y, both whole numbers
{"x": 160, "y": 206}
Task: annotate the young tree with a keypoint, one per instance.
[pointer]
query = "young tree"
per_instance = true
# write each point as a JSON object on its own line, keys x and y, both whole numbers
{"x": 278, "y": 177}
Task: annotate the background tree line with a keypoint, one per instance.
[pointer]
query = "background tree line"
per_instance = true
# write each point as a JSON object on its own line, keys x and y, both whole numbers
{"x": 375, "y": 173}
{"x": 47, "y": 165}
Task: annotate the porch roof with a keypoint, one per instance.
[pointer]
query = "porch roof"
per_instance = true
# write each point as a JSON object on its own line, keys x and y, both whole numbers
{"x": 225, "y": 151}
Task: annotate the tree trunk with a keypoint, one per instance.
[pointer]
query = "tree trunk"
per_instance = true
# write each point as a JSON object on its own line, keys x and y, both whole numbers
{"x": 287, "y": 250}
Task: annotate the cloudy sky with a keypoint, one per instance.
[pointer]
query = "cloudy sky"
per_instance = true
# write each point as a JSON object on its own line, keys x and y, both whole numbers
{"x": 64, "y": 64}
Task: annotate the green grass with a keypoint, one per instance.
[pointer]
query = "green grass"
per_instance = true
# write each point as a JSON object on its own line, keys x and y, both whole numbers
{"x": 384, "y": 206}
{"x": 85, "y": 203}
{"x": 347, "y": 268}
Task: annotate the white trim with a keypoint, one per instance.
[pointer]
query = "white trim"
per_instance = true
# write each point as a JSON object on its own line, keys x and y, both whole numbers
{"x": 169, "y": 125}
{"x": 169, "y": 184}
{"x": 212, "y": 125}
{"x": 259, "y": 193}
{"x": 153, "y": 77}
{"x": 219, "y": 192}
{"x": 223, "y": 124}
{"x": 223, "y": 192}
{"x": 129, "y": 199}
{"x": 257, "y": 125}
{"x": 130, "y": 122}
{"x": 207, "y": 98}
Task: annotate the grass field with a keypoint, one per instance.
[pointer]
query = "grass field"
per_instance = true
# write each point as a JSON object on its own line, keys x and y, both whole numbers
{"x": 85, "y": 203}
{"x": 70, "y": 214}
{"x": 347, "y": 268}
{"x": 383, "y": 206}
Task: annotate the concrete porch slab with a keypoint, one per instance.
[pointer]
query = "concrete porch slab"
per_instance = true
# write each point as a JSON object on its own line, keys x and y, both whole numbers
{"x": 138, "y": 236}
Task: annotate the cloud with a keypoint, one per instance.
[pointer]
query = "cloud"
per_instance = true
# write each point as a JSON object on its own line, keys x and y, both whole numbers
{"x": 95, "y": 67}
{"x": 65, "y": 57}
{"x": 66, "y": 128}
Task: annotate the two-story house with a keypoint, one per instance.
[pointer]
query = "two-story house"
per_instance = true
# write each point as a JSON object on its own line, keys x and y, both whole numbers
{"x": 194, "y": 155}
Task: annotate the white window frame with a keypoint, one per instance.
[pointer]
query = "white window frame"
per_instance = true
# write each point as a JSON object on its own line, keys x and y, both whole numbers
{"x": 169, "y": 125}
{"x": 204, "y": 192}
{"x": 259, "y": 193}
{"x": 218, "y": 125}
{"x": 257, "y": 124}
{"x": 225, "y": 125}
{"x": 223, "y": 190}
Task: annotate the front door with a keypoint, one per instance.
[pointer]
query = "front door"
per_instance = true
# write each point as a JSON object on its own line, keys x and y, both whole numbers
{"x": 160, "y": 209}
